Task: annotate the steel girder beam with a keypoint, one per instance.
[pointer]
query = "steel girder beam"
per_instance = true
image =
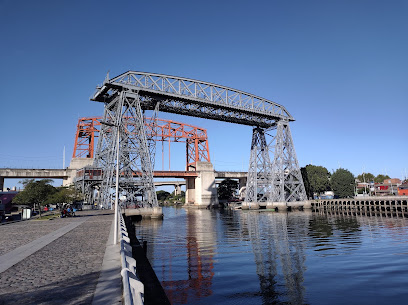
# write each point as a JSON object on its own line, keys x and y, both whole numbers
{"x": 196, "y": 98}
{"x": 123, "y": 115}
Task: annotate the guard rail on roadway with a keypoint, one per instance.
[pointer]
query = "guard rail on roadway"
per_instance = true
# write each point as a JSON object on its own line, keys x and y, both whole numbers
{"x": 133, "y": 288}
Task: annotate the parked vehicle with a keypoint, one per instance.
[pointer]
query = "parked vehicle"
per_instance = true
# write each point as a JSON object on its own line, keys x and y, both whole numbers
{"x": 5, "y": 203}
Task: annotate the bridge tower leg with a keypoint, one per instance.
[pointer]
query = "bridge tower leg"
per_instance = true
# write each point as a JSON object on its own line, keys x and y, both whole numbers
{"x": 259, "y": 181}
{"x": 123, "y": 123}
{"x": 276, "y": 184}
{"x": 288, "y": 188}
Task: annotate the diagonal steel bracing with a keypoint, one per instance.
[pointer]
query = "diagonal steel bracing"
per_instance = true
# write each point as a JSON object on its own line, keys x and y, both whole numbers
{"x": 123, "y": 115}
{"x": 259, "y": 181}
{"x": 287, "y": 182}
{"x": 278, "y": 180}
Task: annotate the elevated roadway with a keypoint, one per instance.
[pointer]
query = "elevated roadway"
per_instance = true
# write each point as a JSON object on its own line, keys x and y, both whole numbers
{"x": 68, "y": 174}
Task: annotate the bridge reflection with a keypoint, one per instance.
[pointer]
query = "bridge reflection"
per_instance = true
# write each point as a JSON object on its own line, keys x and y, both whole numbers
{"x": 279, "y": 250}
{"x": 200, "y": 252}
{"x": 254, "y": 257}
{"x": 196, "y": 245}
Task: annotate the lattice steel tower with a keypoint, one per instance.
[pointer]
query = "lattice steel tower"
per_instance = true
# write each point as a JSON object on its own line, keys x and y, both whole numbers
{"x": 123, "y": 124}
{"x": 274, "y": 175}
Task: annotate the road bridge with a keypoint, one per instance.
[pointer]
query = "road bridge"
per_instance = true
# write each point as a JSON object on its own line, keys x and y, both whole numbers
{"x": 177, "y": 185}
{"x": 68, "y": 175}
{"x": 273, "y": 176}
{"x": 17, "y": 173}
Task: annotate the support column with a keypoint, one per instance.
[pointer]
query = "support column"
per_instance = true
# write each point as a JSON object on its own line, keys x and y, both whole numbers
{"x": 190, "y": 190}
{"x": 242, "y": 187}
{"x": 205, "y": 188}
{"x": 287, "y": 182}
{"x": 1, "y": 184}
{"x": 177, "y": 189}
{"x": 259, "y": 182}
{"x": 276, "y": 184}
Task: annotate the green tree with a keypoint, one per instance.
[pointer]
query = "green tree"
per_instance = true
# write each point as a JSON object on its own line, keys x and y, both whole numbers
{"x": 178, "y": 198}
{"x": 367, "y": 177}
{"x": 343, "y": 183}
{"x": 380, "y": 178}
{"x": 162, "y": 195}
{"x": 306, "y": 182}
{"x": 227, "y": 188}
{"x": 64, "y": 195}
{"x": 35, "y": 193}
{"x": 316, "y": 179}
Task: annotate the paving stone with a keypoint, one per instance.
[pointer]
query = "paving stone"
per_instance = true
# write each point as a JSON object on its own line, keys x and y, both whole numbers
{"x": 65, "y": 271}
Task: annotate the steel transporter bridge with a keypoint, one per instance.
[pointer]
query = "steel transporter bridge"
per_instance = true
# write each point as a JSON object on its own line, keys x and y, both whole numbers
{"x": 126, "y": 147}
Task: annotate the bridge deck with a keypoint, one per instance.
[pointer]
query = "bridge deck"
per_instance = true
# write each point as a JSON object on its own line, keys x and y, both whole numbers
{"x": 51, "y": 173}
{"x": 193, "y": 97}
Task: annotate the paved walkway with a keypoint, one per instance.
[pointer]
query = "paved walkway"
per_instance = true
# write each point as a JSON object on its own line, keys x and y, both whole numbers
{"x": 58, "y": 261}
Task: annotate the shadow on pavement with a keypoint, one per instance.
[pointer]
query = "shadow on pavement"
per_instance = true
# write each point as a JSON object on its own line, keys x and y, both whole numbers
{"x": 76, "y": 290}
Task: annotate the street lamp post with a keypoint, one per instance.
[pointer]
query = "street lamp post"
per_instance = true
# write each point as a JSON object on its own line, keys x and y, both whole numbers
{"x": 115, "y": 236}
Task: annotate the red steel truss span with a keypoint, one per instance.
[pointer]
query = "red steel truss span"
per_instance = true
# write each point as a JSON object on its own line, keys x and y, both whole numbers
{"x": 196, "y": 139}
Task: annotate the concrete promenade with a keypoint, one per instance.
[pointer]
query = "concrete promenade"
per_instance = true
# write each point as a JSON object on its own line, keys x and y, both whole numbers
{"x": 60, "y": 261}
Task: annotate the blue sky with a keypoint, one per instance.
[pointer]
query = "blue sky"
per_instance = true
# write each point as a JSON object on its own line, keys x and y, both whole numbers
{"x": 339, "y": 67}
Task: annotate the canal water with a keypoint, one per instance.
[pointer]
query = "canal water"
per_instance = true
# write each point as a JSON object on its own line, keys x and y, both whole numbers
{"x": 256, "y": 257}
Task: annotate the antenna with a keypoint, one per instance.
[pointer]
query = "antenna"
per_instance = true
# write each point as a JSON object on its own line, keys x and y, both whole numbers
{"x": 63, "y": 158}
{"x": 106, "y": 77}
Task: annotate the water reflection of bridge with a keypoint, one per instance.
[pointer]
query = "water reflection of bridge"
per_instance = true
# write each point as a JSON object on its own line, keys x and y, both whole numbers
{"x": 278, "y": 245}
{"x": 198, "y": 248}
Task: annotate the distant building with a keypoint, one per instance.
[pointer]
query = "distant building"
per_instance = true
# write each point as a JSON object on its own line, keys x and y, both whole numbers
{"x": 389, "y": 187}
{"x": 403, "y": 190}
{"x": 325, "y": 195}
{"x": 392, "y": 181}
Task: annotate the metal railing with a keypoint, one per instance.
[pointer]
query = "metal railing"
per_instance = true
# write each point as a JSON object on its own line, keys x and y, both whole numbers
{"x": 133, "y": 288}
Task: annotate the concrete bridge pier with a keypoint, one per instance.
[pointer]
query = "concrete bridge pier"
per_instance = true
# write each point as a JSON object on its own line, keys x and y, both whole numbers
{"x": 201, "y": 192}
{"x": 75, "y": 164}
{"x": 177, "y": 189}
{"x": 190, "y": 190}
{"x": 250, "y": 205}
{"x": 242, "y": 182}
{"x": 242, "y": 187}
{"x": 153, "y": 213}
{"x": 281, "y": 206}
{"x": 1, "y": 184}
